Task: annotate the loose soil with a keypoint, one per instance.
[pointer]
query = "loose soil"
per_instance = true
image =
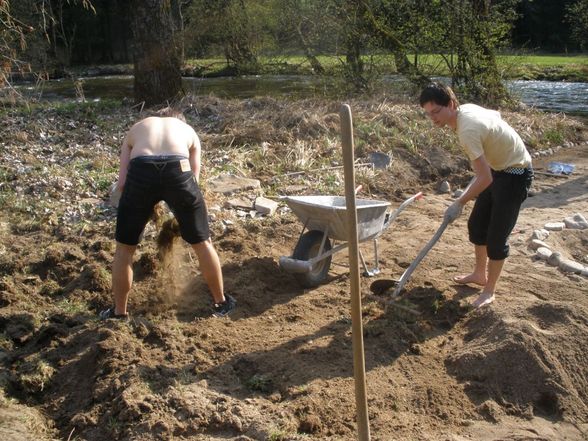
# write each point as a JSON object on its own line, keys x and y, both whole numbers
{"x": 281, "y": 366}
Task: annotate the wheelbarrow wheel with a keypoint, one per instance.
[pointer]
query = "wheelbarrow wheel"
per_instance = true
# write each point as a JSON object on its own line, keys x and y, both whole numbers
{"x": 308, "y": 247}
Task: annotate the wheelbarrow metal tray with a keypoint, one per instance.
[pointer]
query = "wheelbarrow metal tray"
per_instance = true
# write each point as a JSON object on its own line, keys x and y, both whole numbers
{"x": 329, "y": 212}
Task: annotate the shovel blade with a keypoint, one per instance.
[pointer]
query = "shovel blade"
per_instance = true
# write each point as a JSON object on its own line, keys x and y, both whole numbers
{"x": 380, "y": 160}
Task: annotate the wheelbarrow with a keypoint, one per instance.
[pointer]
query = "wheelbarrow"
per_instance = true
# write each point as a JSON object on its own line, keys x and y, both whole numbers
{"x": 325, "y": 223}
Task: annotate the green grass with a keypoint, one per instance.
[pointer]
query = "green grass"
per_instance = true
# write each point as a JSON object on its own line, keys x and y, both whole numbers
{"x": 513, "y": 66}
{"x": 547, "y": 60}
{"x": 72, "y": 307}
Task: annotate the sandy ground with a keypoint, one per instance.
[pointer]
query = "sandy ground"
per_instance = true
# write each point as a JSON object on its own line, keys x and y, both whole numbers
{"x": 280, "y": 368}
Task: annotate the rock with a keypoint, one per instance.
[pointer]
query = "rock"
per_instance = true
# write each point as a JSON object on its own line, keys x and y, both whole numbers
{"x": 570, "y": 266}
{"x": 544, "y": 253}
{"x": 265, "y": 206}
{"x": 457, "y": 193}
{"x": 444, "y": 187}
{"x": 554, "y": 226}
{"x": 227, "y": 184}
{"x": 540, "y": 234}
{"x": 294, "y": 189}
{"x": 554, "y": 259}
{"x": 577, "y": 222}
{"x": 536, "y": 244}
{"x": 239, "y": 203}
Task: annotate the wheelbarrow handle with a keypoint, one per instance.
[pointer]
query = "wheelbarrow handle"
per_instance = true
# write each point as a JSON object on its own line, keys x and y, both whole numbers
{"x": 402, "y": 206}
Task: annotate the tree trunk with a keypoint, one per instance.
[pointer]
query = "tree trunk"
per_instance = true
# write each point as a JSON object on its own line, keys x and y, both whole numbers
{"x": 156, "y": 52}
{"x": 315, "y": 64}
{"x": 394, "y": 45}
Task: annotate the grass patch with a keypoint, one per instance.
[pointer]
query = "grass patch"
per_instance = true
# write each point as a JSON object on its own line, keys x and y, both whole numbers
{"x": 72, "y": 307}
{"x": 35, "y": 374}
{"x": 558, "y": 66}
{"x": 259, "y": 383}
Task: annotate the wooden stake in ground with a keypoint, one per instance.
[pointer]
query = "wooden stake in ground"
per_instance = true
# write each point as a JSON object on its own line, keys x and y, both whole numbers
{"x": 363, "y": 426}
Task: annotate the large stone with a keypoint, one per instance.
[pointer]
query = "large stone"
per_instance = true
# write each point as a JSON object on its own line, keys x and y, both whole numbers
{"x": 227, "y": 184}
{"x": 543, "y": 253}
{"x": 577, "y": 222}
{"x": 541, "y": 234}
{"x": 265, "y": 206}
{"x": 444, "y": 187}
{"x": 554, "y": 259}
{"x": 554, "y": 226}
{"x": 239, "y": 203}
{"x": 536, "y": 244}
{"x": 571, "y": 266}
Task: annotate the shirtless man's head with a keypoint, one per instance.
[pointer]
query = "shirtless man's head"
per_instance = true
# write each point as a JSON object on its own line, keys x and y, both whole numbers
{"x": 171, "y": 112}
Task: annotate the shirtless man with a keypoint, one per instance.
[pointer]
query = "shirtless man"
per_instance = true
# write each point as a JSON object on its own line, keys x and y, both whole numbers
{"x": 160, "y": 160}
{"x": 503, "y": 176}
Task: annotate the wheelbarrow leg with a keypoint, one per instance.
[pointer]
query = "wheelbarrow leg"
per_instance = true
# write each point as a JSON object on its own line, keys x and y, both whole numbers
{"x": 376, "y": 270}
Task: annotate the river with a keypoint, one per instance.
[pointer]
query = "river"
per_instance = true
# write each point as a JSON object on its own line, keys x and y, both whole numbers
{"x": 554, "y": 96}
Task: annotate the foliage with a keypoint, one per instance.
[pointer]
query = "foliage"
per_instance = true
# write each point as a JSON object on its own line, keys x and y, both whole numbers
{"x": 12, "y": 36}
{"x": 236, "y": 27}
{"x": 542, "y": 25}
{"x": 577, "y": 17}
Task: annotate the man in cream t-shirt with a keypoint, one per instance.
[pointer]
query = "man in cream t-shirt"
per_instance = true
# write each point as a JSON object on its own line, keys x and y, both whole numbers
{"x": 502, "y": 166}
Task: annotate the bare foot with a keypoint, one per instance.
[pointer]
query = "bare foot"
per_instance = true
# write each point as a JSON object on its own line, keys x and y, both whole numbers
{"x": 483, "y": 299}
{"x": 470, "y": 278}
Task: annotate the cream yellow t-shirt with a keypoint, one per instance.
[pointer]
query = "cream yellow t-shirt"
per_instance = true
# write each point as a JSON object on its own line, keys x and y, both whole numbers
{"x": 483, "y": 132}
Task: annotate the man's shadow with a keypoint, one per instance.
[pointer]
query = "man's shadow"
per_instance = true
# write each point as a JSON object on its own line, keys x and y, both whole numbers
{"x": 569, "y": 191}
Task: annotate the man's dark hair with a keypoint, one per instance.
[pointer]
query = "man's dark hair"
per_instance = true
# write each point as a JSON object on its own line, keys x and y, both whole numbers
{"x": 171, "y": 112}
{"x": 438, "y": 93}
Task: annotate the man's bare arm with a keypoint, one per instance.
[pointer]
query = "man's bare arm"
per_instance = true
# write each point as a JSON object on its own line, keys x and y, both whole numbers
{"x": 125, "y": 157}
{"x": 195, "y": 155}
{"x": 480, "y": 182}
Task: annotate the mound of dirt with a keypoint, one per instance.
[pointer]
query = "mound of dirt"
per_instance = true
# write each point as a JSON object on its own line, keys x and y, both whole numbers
{"x": 529, "y": 363}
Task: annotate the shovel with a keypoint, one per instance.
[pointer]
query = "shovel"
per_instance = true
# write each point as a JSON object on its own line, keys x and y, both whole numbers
{"x": 408, "y": 272}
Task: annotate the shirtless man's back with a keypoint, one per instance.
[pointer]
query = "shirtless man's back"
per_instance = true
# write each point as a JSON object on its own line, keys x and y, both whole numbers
{"x": 160, "y": 136}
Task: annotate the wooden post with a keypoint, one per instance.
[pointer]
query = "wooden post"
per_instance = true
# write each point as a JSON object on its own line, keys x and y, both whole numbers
{"x": 363, "y": 426}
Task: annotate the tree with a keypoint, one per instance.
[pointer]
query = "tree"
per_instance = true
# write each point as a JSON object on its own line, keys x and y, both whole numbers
{"x": 577, "y": 17}
{"x": 238, "y": 27}
{"x": 29, "y": 31}
{"x": 475, "y": 30}
{"x": 465, "y": 33}
{"x": 385, "y": 24}
{"x": 541, "y": 25}
{"x": 301, "y": 26}
{"x": 157, "y": 52}
{"x": 12, "y": 36}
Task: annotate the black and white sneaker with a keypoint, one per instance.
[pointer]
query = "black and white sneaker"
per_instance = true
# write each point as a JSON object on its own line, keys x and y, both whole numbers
{"x": 225, "y": 308}
{"x": 110, "y": 314}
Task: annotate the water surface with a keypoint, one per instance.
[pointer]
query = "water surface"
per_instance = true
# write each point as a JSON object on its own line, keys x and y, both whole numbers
{"x": 555, "y": 96}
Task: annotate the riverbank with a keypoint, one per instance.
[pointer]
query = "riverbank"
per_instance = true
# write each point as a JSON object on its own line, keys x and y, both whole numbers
{"x": 513, "y": 67}
{"x": 280, "y": 368}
